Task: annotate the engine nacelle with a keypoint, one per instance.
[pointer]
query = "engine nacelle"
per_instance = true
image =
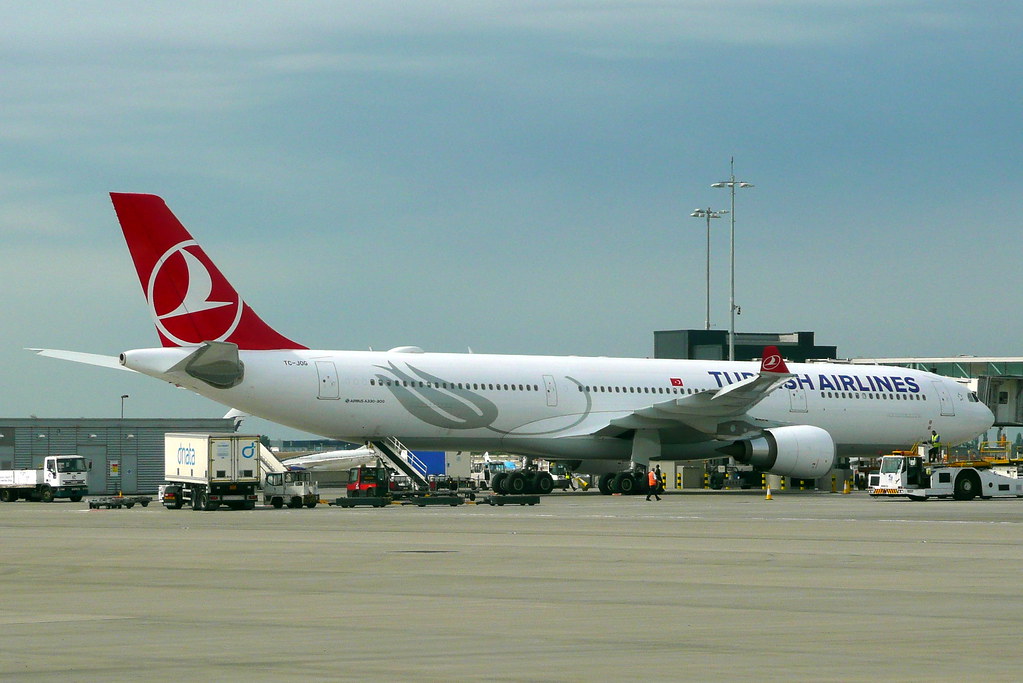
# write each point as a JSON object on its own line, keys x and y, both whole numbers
{"x": 801, "y": 451}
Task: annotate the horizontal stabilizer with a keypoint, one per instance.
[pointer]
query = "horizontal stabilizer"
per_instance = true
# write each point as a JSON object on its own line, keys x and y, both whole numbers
{"x": 80, "y": 357}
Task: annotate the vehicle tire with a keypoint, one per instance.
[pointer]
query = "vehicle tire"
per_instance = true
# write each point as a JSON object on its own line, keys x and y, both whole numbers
{"x": 516, "y": 483}
{"x": 7, "y": 496}
{"x": 77, "y": 498}
{"x": 129, "y": 505}
{"x": 918, "y": 498}
{"x": 624, "y": 483}
{"x": 198, "y": 500}
{"x": 144, "y": 503}
{"x": 295, "y": 503}
{"x": 277, "y": 502}
{"x": 604, "y": 483}
{"x": 46, "y": 494}
{"x": 497, "y": 483}
{"x": 967, "y": 486}
{"x": 543, "y": 483}
{"x": 311, "y": 504}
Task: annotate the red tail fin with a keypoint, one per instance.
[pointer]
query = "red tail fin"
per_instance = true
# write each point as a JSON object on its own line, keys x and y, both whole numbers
{"x": 772, "y": 361}
{"x": 190, "y": 300}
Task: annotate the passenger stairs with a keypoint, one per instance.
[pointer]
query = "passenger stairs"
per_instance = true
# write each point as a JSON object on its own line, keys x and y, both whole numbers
{"x": 268, "y": 462}
{"x": 403, "y": 460}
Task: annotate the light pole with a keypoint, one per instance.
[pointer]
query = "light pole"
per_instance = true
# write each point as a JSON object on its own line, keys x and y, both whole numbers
{"x": 123, "y": 396}
{"x": 708, "y": 213}
{"x": 732, "y": 184}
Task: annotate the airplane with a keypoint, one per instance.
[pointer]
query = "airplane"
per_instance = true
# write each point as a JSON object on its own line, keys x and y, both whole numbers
{"x": 607, "y": 416}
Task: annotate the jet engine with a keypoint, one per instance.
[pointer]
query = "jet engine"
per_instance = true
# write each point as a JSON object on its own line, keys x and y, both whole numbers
{"x": 801, "y": 451}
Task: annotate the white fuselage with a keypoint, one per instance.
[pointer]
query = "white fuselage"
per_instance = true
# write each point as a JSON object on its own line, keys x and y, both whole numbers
{"x": 562, "y": 407}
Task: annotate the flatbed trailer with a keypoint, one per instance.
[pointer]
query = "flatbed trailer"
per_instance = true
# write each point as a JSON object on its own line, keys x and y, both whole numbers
{"x": 911, "y": 476}
{"x": 362, "y": 501}
{"x": 512, "y": 500}
{"x": 117, "y": 502}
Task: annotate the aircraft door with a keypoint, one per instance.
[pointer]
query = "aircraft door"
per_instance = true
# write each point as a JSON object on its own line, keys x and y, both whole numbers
{"x": 946, "y": 400}
{"x": 797, "y": 400}
{"x": 327, "y": 374}
{"x": 552, "y": 390}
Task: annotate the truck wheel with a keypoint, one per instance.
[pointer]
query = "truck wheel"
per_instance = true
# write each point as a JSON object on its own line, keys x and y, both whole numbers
{"x": 311, "y": 504}
{"x": 198, "y": 500}
{"x": 277, "y": 502}
{"x": 918, "y": 497}
{"x": 46, "y": 494}
{"x": 967, "y": 486}
{"x": 7, "y": 496}
{"x": 76, "y": 498}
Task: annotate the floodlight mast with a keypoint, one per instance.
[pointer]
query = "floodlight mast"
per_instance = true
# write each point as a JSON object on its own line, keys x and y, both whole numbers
{"x": 708, "y": 213}
{"x": 732, "y": 184}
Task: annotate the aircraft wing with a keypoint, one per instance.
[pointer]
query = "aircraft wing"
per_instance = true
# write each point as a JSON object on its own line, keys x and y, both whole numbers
{"x": 718, "y": 413}
{"x": 80, "y": 357}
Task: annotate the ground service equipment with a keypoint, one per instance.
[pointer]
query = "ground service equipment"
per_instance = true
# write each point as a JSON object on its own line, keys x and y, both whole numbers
{"x": 210, "y": 470}
{"x": 904, "y": 474}
{"x": 293, "y": 489}
{"x": 61, "y": 476}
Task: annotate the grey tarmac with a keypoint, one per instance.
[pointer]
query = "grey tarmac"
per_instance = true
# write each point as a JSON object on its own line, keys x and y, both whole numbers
{"x": 699, "y": 586}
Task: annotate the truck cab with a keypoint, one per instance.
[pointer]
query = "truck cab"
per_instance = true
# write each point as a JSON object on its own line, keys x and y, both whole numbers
{"x": 368, "y": 481}
{"x": 292, "y": 488}
{"x": 902, "y": 471}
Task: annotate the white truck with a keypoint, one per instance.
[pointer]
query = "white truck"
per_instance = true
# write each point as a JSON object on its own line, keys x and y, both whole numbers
{"x": 61, "y": 476}
{"x": 904, "y": 474}
{"x": 210, "y": 470}
{"x": 291, "y": 488}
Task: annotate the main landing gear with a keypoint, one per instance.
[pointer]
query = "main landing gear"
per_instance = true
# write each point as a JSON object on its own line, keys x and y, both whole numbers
{"x": 628, "y": 482}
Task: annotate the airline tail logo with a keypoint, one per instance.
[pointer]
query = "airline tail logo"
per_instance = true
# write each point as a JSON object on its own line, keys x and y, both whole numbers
{"x": 189, "y": 298}
{"x": 772, "y": 361}
{"x": 207, "y": 303}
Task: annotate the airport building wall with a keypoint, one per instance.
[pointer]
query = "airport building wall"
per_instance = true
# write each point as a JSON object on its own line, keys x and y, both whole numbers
{"x": 124, "y": 454}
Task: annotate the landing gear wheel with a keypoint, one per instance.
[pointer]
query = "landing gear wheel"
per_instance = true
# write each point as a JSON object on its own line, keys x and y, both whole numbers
{"x": 543, "y": 483}
{"x": 604, "y": 483}
{"x": 497, "y": 483}
{"x": 516, "y": 483}
{"x": 624, "y": 483}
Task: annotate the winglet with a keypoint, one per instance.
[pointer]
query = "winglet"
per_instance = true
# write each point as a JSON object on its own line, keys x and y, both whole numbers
{"x": 772, "y": 362}
{"x": 189, "y": 298}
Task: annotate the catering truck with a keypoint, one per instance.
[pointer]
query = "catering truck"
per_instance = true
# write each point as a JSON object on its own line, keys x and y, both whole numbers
{"x": 61, "y": 476}
{"x": 210, "y": 470}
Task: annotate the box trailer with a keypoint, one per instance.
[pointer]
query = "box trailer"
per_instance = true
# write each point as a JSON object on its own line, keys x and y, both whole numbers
{"x": 210, "y": 470}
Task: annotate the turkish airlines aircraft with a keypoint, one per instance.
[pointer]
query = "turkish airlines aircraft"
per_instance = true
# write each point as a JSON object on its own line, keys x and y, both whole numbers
{"x": 599, "y": 414}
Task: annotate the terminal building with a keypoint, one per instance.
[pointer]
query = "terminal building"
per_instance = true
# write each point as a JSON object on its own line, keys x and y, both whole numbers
{"x": 123, "y": 454}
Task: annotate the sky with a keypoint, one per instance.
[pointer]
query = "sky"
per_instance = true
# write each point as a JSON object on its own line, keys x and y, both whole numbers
{"x": 510, "y": 177}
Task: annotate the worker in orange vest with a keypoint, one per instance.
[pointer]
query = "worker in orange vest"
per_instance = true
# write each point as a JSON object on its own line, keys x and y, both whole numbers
{"x": 654, "y": 484}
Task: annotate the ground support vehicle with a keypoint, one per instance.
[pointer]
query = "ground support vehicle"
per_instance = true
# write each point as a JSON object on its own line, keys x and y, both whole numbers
{"x": 531, "y": 479}
{"x": 61, "y": 476}
{"x": 294, "y": 489}
{"x": 905, "y": 474}
{"x": 210, "y": 470}
{"x": 512, "y": 500}
{"x": 112, "y": 502}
